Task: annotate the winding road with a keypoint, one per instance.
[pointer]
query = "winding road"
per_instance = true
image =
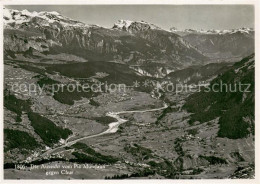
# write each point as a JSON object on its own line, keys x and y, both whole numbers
{"x": 112, "y": 128}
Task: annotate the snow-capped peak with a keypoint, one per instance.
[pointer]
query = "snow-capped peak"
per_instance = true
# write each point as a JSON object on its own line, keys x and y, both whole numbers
{"x": 123, "y": 24}
{"x": 15, "y": 14}
{"x": 133, "y": 26}
{"x": 46, "y": 18}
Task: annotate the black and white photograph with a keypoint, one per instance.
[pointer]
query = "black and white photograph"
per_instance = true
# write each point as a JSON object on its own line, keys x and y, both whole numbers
{"x": 128, "y": 92}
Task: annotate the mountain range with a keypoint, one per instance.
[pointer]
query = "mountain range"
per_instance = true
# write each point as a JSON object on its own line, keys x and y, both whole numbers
{"x": 46, "y": 33}
{"x": 36, "y": 36}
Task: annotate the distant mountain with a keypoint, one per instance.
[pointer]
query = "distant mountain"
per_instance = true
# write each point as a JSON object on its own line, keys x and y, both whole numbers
{"x": 36, "y": 35}
{"x": 212, "y": 31}
{"x": 233, "y": 105}
{"x": 220, "y": 44}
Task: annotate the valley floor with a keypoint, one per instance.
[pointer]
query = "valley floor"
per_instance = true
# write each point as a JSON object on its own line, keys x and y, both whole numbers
{"x": 153, "y": 141}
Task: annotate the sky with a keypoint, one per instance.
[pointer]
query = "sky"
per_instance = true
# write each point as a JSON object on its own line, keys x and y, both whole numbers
{"x": 165, "y": 16}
